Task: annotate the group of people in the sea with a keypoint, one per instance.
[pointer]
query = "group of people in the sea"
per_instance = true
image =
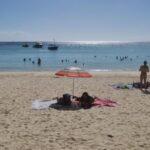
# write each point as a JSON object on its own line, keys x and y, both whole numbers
{"x": 39, "y": 61}
{"x": 122, "y": 58}
{"x": 74, "y": 61}
{"x": 67, "y": 60}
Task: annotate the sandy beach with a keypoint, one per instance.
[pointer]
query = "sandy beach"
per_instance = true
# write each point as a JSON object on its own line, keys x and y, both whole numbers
{"x": 125, "y": 127}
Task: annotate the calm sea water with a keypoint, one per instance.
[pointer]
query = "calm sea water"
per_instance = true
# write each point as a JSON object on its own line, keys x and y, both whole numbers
{"x": 95, "y": 57}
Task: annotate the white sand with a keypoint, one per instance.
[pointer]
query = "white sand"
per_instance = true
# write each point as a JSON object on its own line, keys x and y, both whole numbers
{"x": 125, "y": 127}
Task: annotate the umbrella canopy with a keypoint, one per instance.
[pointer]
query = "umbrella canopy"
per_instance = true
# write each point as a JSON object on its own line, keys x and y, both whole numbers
{"x": 73, "y": 72}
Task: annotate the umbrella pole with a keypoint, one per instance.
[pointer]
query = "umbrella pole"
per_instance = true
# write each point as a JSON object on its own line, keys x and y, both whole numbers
{"x": 73, "y": 87}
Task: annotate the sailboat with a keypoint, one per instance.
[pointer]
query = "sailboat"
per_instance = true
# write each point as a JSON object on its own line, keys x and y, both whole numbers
{"x": 53, "y": 46}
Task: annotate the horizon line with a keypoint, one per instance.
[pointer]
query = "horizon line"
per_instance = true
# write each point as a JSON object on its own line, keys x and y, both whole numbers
{"x": 78, "y": 41}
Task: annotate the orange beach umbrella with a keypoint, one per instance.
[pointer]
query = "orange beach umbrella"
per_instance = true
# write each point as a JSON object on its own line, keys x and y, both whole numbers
{"x": 73, "y": 72}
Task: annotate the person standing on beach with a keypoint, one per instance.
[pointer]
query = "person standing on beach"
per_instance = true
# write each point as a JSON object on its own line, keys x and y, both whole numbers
{"x": 144, "y": 70}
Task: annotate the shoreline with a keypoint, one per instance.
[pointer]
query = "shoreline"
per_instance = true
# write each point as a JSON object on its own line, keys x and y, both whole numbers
{"x": 104, "y": 74}
{"x": 53, "y": 72}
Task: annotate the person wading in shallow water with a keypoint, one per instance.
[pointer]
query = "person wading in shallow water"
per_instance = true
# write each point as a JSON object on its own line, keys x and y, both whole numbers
{"x": 143, "y": 77}
{"x": 39, "y": 61}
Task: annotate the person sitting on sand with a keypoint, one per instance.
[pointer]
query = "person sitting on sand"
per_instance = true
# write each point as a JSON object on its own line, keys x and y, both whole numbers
{"x": 144, "y": 70}
{"x": 65, "y": 100}
{"x": 86, "y": 100}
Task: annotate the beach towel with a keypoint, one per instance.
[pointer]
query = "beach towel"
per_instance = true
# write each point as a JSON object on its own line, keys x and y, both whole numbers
{"x": 122, "y": 86}
{"x": 42, "y": 104}
{"x": 130, "y": 85}
{"x": 138, "y": 85}
{"x": 104, "y": 102}
{"x": 45, "y": 104}
{"x": 74, "y": 106}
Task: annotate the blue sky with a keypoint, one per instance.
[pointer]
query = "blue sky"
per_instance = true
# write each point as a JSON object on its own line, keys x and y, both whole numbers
{"x": 75, "y": 20}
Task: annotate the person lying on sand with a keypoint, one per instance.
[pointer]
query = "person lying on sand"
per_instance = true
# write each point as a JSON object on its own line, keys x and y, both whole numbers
{"x": 144, "y": 70}
{"x": 85, "y": 101}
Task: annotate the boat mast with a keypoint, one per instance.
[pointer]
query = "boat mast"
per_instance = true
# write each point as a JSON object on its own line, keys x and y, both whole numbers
{"x": 54, "y": 41}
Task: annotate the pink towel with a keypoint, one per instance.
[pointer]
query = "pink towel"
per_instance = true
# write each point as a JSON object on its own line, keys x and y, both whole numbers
{"x": 104, "y": 102}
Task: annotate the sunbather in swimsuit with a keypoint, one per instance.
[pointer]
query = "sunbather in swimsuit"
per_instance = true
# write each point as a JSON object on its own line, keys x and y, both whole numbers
{"x": 86, "y": 100}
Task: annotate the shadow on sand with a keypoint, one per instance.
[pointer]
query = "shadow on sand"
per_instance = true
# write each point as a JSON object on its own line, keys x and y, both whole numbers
{"x": 145, "y": 91}
{"x": 60, "y": 107}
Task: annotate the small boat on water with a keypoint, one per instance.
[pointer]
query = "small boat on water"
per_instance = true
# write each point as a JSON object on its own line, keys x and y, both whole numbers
{"x": 25, "y": 45}
{"x": 53, "y": 46}
{"x": 38, "y": 45}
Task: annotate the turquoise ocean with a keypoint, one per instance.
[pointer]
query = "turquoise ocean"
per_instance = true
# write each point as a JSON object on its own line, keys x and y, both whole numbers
{"x": 103, "y": 56}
